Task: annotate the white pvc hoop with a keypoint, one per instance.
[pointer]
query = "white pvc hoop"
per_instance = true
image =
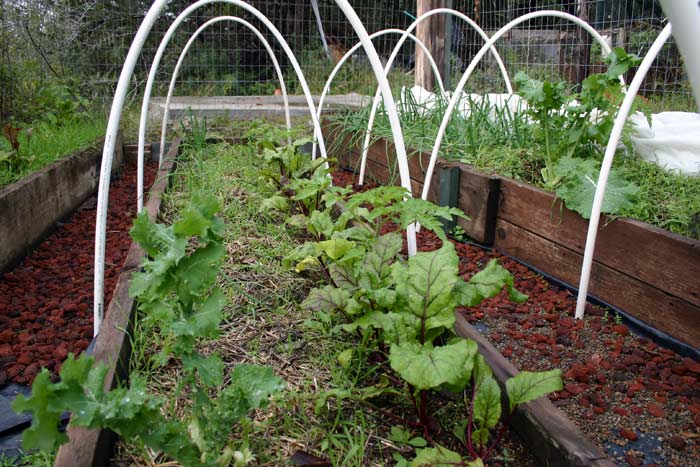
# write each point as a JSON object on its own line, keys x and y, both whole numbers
{"x": 115, "y": 116}
{"x": 180, "y": 60}
{"x": 392, "y": 57}
{"x": 348, "y": 54}
{"x": 615, "y": 134}
{"x": 458, "y": 90}
{"x": 390, "y": 107}
{"x": 159, "y": 55}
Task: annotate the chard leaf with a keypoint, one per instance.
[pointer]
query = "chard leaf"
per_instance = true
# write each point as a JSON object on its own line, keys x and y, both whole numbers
{"x": 580, "y": 178}
{"x": 320, "y": 224}
{"x": 376, "y": 267}
{"x": 306, "y": 263}
{"x": 438, "y": 456}
{"x": 334, "y": 248}
{"x": 343, "y": 276}
{"x": 396, "y": 327}
{"x": 487, "y": 404}
{"x": 487, "y": 283}
{"x": 274, "y": 203}
{"x": 428, "y": 367}
{"x": 480, "y": 436}
{"x": 357, "y": 394}
{"x": 424, "y": 285}
{"x": 326, "y": 299}
{"x": 527, "y": 386}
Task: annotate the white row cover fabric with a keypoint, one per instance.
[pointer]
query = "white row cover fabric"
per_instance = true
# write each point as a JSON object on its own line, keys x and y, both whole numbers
{"x": 672, "y": 140}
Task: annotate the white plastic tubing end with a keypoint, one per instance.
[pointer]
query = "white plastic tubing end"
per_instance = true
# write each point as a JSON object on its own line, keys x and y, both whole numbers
{"x": 615, "y": 134}
{"x": 389, "y": 105}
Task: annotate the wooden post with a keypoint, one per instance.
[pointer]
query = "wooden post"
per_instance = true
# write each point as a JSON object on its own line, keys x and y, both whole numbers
{"x": 584, "y": 44}
{"x": 432, "y": 33}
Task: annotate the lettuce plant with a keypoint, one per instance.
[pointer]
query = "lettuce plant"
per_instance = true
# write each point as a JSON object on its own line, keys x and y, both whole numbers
{"x": 177, "y": 295}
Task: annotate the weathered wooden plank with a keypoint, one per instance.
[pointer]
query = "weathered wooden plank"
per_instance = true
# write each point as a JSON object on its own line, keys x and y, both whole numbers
{"x": 666, "y": 312}
{"x": 478, "y": 198}
{"x": 551, "y": 436}
{"x": 93, "y": 448}
{"x": 662, "y": 259}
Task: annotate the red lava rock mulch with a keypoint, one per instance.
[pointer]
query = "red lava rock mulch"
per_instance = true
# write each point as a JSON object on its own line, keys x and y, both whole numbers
{"x": 639, "y": 402}
{"x": 343, "y": 178}
{"x": 46, "y": 301}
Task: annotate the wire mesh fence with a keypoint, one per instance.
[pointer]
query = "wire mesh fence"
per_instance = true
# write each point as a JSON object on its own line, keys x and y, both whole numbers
{"x": 86, "y": 43}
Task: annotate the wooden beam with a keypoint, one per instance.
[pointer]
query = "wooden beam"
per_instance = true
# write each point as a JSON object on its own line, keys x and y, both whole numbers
{"x": 432, "y": 33}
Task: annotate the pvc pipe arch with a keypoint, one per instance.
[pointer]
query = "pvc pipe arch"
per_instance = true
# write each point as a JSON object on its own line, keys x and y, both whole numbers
{"x": 180, "y": 60}
{"x": 389, "y": 105}
{"x": 467, "y": 73}
{"x": 353, "y": 49}
{"x": 615, "y": 135}
{"x": 115, "y": 114}
{"x": 159, "y": 55}
{"x": 116, "y": 111}
{"x": 392, "y": 57}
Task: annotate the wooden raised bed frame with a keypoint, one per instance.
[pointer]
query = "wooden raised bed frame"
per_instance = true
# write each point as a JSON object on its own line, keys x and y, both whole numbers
{"x": 93, "y": 448}
{"x": 651, "y": 274}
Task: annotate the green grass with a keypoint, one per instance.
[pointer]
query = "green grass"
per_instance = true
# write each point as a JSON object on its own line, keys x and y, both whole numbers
{"x": 265, "y": 325}
{"x": 49, "y": 143}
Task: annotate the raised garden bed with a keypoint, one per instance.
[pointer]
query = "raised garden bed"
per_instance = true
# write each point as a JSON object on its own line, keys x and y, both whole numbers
{"x": 88, "y": 448}
{"x": 638, "y": 401}
{"x": 31, "y": 207}
{"x": 47, "y": 299}
{"x": 649, "y": 273}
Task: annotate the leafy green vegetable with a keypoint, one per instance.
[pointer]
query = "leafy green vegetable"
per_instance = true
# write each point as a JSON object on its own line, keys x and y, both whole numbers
{"x": 176, "y": 291}
{"x": 527, "y": 386}
{"x": 580, "y": 182}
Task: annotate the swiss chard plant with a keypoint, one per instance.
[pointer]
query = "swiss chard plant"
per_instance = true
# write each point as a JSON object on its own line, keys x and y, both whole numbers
{"x": 178, "y": 296}
{"x": 573, "y": 129}
{"x": 407, "y": 307}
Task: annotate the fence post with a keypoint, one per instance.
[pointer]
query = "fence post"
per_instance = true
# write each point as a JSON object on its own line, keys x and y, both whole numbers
{"x": 432, "y": 32}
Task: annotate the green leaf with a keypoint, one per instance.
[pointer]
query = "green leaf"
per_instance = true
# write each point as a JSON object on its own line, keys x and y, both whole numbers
{"x": 345, "y": 357}
{"x": 396, "y": 327}
{"x": 205, "y": 322}
{"x": 527, "y": 386}
{"x": 424, "y": 286}
{"x": 438, "y": 456}
{"x": 487, "y": 404}
{"x": 197, "y": 272}
{"x": 43, "y": 433}
{"x": 258, "y": 383}
{"x": 306, "y": 263}
{"x": 580, "y": 178}
{"x": 374, "y": 270}
{"x": 274, "y": 203}
{"x": 487, "y": 283}
{"x": 334, "y": 248}
{"x": 210, "y": 369}
{"x": 428, "y": 367}
{"x": 327, "y": 299}
{"x": 480, "y": 436}
{"x": 153, "y": 238}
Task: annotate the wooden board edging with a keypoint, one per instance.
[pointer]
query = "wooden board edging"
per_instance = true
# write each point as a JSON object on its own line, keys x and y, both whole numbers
{"x": 94, "y": 448}
{"x": 30, "y": 208}
{"x": 662, "y": 259}
{"x": 551, "y": 436}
